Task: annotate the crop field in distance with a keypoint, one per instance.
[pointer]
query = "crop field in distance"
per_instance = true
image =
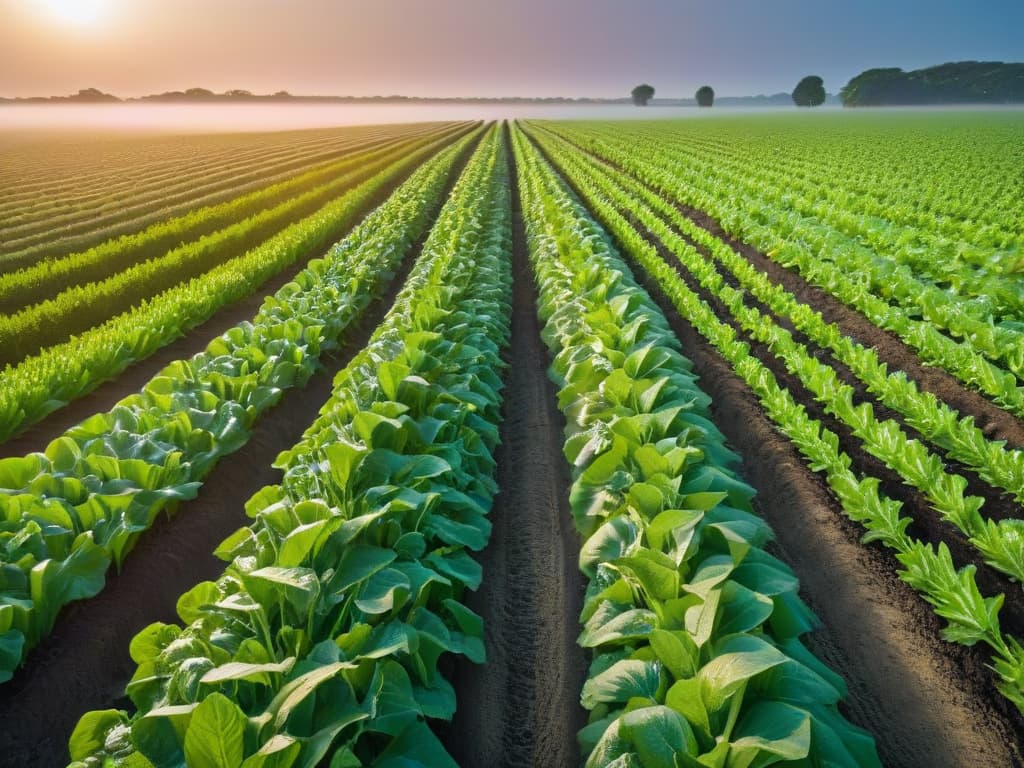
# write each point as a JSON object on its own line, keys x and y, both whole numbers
{"x": 668, "y": 443}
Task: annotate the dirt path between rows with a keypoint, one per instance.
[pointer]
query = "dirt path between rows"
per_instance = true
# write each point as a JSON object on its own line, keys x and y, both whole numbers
{"x": 84, "y": 664}
{"x": 927, "y": 702}
{"x": 522, "y": 708}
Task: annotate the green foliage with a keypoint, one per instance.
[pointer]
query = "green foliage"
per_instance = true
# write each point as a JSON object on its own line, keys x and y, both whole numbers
{"x": 809, "y": 92}
{"x": 20, "y": 289}
{"x": 320, "y": 643}
{"x": 962, "y": 82}
{"x": 693, "y": 627}
{"x": 66, "y": 514}
{"x": 705, "y": 96}
{"x": 642, "y": 94}
{"x": 45, "y": 382}
{"x": 972, "y": 618}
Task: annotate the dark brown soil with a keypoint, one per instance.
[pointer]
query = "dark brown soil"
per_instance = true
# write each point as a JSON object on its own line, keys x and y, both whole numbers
{"x": 84, "y": 664}
{"x": 927, "y": 702}
{"x": 522, "y": 707}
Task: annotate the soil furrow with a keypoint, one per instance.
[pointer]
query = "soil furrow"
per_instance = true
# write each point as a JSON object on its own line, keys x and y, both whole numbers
{"x": 522, "y": 708}
{"x": 927, "y": 702}
{"x": 86, "y": 658}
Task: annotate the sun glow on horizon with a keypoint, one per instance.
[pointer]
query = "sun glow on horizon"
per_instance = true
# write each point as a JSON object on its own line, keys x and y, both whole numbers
{"x": 79, "y": 13}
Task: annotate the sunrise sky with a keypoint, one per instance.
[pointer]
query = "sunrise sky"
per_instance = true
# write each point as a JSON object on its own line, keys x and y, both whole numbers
{"x": 480, "y": 47}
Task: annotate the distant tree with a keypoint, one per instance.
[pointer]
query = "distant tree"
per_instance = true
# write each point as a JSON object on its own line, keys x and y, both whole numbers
{"x": 809, "y": 92}
{"x": 642, "y": 94}
{"x": 238, "y": 93}
{"x": 199, "y": 93}
{"x": 705, "y": 96}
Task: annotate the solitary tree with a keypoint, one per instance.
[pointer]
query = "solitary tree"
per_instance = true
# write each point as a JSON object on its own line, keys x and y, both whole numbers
{"x": 809, "y": 92}
{"x": 642, "y": 94}
{"x": 705, "y": 96}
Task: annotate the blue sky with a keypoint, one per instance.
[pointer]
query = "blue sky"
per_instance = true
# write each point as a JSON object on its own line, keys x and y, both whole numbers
{"x": 481, "y": 47}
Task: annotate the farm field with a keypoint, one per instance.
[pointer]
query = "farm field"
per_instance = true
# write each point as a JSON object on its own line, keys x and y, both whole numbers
{"x": 607, "y": 443}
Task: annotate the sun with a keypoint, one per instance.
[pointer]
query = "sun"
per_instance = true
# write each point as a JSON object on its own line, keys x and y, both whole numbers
{"x": 76, "y": 12}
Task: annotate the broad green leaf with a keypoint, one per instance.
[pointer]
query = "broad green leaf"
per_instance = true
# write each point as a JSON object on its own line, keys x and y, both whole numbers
{"x": 238, "y": 671}
{"x": 385, "y": 591}
{"x": 677, "y": 651}
{"x": 658, "y": 734}
{"x": 90, "y": 733}
{"x": 770, "y": 732}
{"x": 741, "y": 657}
{"x": 216, "y": 734}
{"x": 631, "y": 625}
{"x": 624, "y": 680}
{"x": 281, "y": 751}
{"x": 415, "y": 747}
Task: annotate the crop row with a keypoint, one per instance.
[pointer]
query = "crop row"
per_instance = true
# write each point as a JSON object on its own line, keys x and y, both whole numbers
{"x": 152, "y": 200}
{"x": 144, "y": 181}
{"x": 998, "y": 542}
{"x": 958, "y": 261}
{"x": 21, "y": 288}
{"x": 47, "y": 381}
{"x": 87, "y": 304}
{"x": 193, "y": 193}
{"x": 321, "y": 640}
{"x": 953, "y": 592}
{"x": 845, "y": 269}
{"x": 693, "y": 627}
{"x": 67, "y": 513}
{"x": 34, "y": 169}
{"x": 80, "y": 202}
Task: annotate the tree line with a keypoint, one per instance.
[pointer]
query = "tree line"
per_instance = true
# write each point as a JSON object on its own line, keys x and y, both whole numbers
{"x": 961, "y": 82}
{"x": 809, "y": 92}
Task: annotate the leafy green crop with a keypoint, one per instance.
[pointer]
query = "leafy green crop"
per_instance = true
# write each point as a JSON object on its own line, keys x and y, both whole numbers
{"x": 954, "y": 593}
{"x": 47, "y": 381}
{"x": 87, "y": 304}
{"x": 694, "y": 628}
{"x": 321, "y": 640}
{"x": 66, "y": 514}
{"x": 997, "y": 542}
{"x": 990, "y": 356}
{"x": 22, "y": 288}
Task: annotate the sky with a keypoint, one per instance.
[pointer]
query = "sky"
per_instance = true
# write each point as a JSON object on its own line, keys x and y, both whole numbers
{"x": 596, "y": 48}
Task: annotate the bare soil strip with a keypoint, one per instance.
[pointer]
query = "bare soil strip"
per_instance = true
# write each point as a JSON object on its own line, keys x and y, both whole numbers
{"x": 927, "y": 702}
{"x": 84, "y": 664}
{"x": 522, "y": 707}
{"x": 37, "y": 436}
